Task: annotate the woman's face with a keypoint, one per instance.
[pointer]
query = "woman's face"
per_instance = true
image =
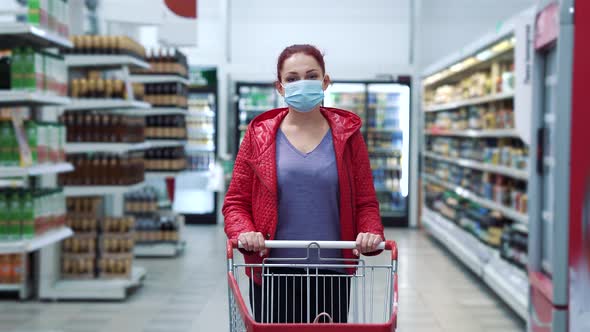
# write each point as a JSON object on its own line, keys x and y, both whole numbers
{"x": 301, "y": 66}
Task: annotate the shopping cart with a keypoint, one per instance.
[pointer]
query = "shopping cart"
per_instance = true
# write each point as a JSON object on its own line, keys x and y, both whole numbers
{"x": 320, "y": 294}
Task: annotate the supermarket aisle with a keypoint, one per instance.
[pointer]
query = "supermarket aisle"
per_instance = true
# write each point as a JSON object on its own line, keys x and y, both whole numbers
{"x": 189, "y": 294}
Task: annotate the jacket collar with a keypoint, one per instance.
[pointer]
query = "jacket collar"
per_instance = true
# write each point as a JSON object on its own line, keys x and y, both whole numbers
{"x": 264, "y": 129}
{"x": 343, "y": 125}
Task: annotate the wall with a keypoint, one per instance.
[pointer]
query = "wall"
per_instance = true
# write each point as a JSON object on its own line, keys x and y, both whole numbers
{"x": 446, "y": 26}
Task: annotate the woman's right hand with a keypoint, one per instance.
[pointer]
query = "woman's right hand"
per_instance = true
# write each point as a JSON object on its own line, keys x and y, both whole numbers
{"x": 253, "y": 241}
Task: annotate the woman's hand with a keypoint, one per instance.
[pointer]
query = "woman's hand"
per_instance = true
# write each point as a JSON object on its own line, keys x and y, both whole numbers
{"x": 253, "y": 241}
{"x": 366, "y": 242}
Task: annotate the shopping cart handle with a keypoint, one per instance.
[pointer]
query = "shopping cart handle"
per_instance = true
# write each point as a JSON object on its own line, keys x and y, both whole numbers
{"x": 287, "y": 244}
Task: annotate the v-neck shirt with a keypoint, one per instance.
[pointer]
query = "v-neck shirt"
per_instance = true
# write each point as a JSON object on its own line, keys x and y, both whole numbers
{"x": 309, "y": 195}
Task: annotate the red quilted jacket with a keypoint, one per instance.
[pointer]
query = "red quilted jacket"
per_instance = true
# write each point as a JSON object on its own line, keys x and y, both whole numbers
{"x": 251, "y": 202}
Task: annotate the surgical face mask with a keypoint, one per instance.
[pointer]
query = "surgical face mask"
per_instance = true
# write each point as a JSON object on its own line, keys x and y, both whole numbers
{"x": 304, "y": 95}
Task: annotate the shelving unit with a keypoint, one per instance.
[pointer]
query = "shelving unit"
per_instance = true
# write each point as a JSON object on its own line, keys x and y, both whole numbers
{"x": 469, "y": 102}
{"x": 498, "y": 169}
{"x": 164, "y": 143}
{"x": 106, "y": 147}
{"x": 497, "y": 133}
{"x": 104, "y": 61}
{"x": 16, "y": 33}
{"x": 153, "y": 111}
{"x": 96, "y": 190}
{"x": 33, "y": 98}
{"x": 86, "y": 104}
{"x": 475, "y": 88}
{"x": 19, "y": 34}
{"x": 510, "y": 283}
{"x": 141, "y": 78}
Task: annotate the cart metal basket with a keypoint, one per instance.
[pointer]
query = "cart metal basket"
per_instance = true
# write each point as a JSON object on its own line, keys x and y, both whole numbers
{"x": 314, "y": 293}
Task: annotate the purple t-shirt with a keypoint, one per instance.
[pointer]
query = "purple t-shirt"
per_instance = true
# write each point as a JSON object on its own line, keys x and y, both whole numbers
{"x": 308, "y": 197}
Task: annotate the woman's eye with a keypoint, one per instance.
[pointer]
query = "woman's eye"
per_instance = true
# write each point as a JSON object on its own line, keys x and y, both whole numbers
{"x": 291, "y": 79}
{"x": 312, "y": 77}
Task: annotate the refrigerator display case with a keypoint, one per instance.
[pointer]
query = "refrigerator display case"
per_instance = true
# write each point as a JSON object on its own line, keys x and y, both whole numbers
{"x": 559, "y": 264}
{"x": 253, "y": 99}
{"x": 193, "y": 198}
{"x": 384, "y": 108}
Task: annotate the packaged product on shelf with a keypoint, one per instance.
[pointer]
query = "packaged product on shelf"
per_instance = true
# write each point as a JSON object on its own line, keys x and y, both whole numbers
{"x": 11, "y": 269}
{"x": 165, "y": 159}
{"x": 99, "y": 127}
{"x": 89, "y": 45}
{"x": 114, "y": 244}
{"x": 115, "y": 266}
{"x": 118, "y": 224}
{"x": 165, "y": 61}
{"x": 104, "y": 169}
{"x": 78, "y": 266}
{"x": 80, "y": 243}
{"x": 166, "y": 127}
{"x": 166, "y": 94}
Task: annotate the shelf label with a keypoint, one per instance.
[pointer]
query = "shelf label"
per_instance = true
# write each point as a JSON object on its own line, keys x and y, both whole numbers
{"x": 523, "y": 58}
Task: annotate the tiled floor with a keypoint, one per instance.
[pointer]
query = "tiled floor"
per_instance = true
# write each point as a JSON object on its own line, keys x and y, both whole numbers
{"x": 189, "y": 294}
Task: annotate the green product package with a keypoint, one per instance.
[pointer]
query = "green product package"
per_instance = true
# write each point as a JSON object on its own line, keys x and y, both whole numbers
{"x": 14, "y": 222}
{"x": 32, "y": 138}
{"x": 28, "y": 69}
{"x": 3, "y": 217}
{"x": 28, "y": 215}
{"x": 34, "y": 12}
{"x": 15, "y": 69}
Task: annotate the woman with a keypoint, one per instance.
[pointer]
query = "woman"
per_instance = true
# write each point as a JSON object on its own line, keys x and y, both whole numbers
{"x": 302, "y": 173}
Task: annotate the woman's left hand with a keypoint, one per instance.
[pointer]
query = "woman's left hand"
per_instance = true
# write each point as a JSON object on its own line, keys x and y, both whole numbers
{"x": 366, "y": 242}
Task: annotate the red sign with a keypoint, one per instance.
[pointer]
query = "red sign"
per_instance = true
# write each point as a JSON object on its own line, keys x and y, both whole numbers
{"x": 183, "y": 8}
{"x": 547, "y": 26}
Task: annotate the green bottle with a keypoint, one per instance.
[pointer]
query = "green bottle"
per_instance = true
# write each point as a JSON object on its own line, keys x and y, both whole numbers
{"x": 3, "y": 217}
{"x": 14, "y": 222}
{"x": 32, "y": 138}
{"x": 28, "y": 215}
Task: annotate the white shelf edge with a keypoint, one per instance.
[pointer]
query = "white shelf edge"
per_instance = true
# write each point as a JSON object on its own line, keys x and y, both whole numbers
{"x": 98, "y": 190}
{"x": 154, "y": 110}
{"x": 516, "y": 296}
{"x": 86, "y": 104}
{"x": 95, "y": 289}
{"x": 503, "y": 170}
{"x": 83, "y": 147}
{"x": 164, "y": 143}
{"x": 444, "y": 233}
{"x": 39, "y": 34}
{"x": 197, "y": 148}
{"x": 511, "y": 293}
{"x": 155, "y": 78}
{"x": 164, "y": 249}
{"x": 38, "y": 242}
{"x": 12, "y": 183}
{"x": 10, "y": 287}
{"x": 468, "y": 102}
{"x": 506, "y": 211}
{"x": 475, "y": 133}
{"x": 160, "y": 175}
{"x": 104, "y": 60}
{"x": 32, "y": 97}
{"x": 384, "y": 130}
{"x": 13, "y": 171}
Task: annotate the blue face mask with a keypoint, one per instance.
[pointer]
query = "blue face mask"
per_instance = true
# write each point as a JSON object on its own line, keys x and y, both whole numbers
{"x": 304, "y": 95}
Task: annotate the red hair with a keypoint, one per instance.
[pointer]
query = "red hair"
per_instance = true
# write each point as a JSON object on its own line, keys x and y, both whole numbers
{"x": 306, "y": 49}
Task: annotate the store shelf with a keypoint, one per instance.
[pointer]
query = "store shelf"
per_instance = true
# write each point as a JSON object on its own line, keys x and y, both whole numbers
{"x": 85, "y": 104}
{"x": 163, "y": 249}
{"x": 506, "y": 211}
{"x": 35, "y": 170}
{"x": 165, "y": 143}
{"x": 386, "y": 190}
{"x": 509, "y": 133}
{"x": 153, "y": 111}
{"x": 510, "y": 283}
{"x": 197, "y": 116}
{"x": 387, "y": 168}
{"x": 384, "y": 150}
{"x": 12, "y": 183}
{"x": 97, "y": 190}
{"x": 502, "y": 170}
{"x": 38, "y": 242}
{"x": 106, "y": 147}
{"x": 392, "y": 214}
{"x": 95, "y": 289}
{"x": 466, "y": 248}
{"x": 13, "y": 34}
{"x": 154, "y": 78}
{"x": 197, "y": 148}
{"x": 384, "y": 130}
{"x": 14, "y": 97}
{"x": 256, "y": 108}
{"x": 154, "y": 175}
{"x": 469, "y": 102}
{"x": 10, "y": 287}
{"x": 104, "y": 61}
